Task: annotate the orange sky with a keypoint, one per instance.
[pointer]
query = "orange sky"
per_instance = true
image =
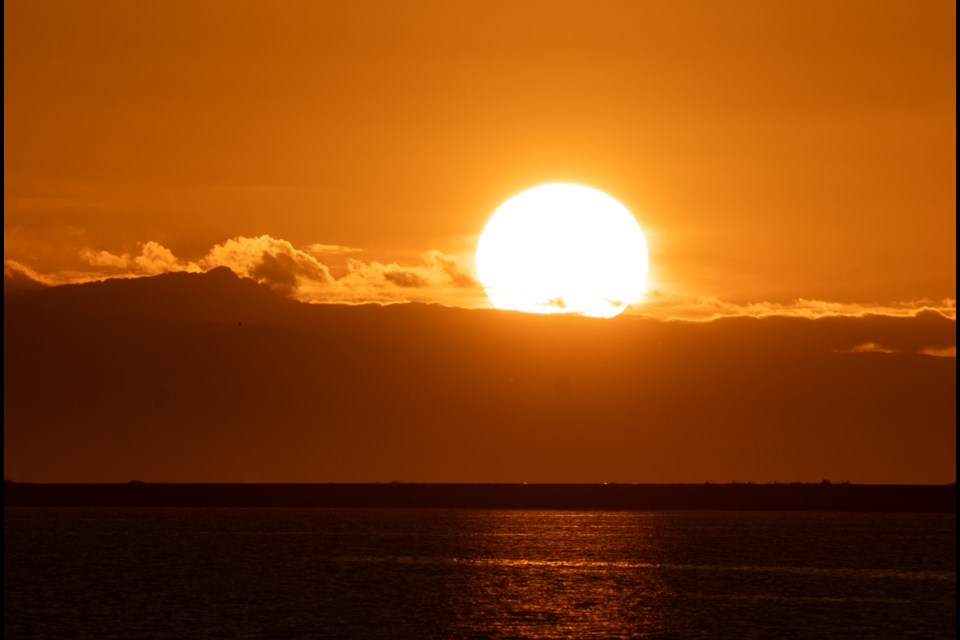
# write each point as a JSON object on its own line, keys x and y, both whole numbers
{"x": 772, "y": 151}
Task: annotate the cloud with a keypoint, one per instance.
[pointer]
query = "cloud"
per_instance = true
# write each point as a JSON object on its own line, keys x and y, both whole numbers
{"x": 451, "y": 268}
{"x": 298, "y": 273}
{"x": 105, "y": 259}
{"x": 318, "y": 250}
{"x": 924, "y": 332}
{"x": 871, "y": 347}
{"x": 274, "y": 262}
{"x": 437, "y": 277}
{"x": 20, "y": 277}
{"x": 405, "y": 278}
{"x": 712, "y": 308}
{"x": 941, "y": 352}
{"x": 153, "y": 259}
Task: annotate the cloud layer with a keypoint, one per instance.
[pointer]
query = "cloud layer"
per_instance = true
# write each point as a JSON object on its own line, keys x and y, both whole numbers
{"x": 305, "y": 274}
{"x": 212, "y": 378}
{"x": 301, "y": 274}
{"x": 712, "y": 308}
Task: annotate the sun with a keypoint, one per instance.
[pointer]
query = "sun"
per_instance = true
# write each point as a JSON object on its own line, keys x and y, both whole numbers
{"x": 562, "y": 248}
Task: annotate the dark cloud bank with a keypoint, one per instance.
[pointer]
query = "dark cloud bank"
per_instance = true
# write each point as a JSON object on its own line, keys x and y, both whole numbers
{"x": 210, "y": 377}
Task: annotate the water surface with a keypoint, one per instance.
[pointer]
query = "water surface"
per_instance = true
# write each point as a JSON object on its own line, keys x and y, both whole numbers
{"x": 405, "y": 573}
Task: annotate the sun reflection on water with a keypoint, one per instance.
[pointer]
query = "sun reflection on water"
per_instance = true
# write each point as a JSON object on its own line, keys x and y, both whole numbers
{"x": 438, "y": 573}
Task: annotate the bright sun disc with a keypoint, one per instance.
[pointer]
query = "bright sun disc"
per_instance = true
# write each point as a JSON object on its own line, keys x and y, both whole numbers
{"x": 562, "y": 248}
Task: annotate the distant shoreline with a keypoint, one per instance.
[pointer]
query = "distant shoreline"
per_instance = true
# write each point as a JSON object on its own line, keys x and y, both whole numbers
{"x": 600, "y": 497}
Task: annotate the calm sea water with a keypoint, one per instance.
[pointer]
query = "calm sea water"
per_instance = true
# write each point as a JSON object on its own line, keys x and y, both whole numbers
{"x": 296, "y": 573}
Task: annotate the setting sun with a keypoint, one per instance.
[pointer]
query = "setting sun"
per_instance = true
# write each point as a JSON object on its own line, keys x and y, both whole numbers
{"x": 562, "y": 248}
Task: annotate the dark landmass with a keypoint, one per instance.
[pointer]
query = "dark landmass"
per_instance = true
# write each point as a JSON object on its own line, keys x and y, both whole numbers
{"x": 214, "y": 378}
{"x": 737, "y": 496}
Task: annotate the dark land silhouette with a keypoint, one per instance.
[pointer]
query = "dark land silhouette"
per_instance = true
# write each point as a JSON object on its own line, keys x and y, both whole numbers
{"x": 214, "y": 378}
{"x": 737, "y": 496}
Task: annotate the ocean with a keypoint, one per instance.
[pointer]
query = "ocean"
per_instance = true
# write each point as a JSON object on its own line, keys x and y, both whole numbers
{"x": 448, "y": 573}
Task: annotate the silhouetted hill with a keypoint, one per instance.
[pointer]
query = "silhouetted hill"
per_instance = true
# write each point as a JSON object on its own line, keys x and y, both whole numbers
{"x": 218, "y": 295}
{"x": 210, "y": 377}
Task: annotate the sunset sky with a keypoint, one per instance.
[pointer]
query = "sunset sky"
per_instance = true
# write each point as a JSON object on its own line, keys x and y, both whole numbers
{"x": 771, "y": 151}
{"x": 791, "y": 164}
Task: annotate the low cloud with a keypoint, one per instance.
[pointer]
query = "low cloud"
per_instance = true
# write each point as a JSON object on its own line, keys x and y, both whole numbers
{"x": 105, "y": 259}
{"x": 871, "y": 347}
{"x": 20, "y": 277}
{"x": 274, "y": 262}
{"x": 451, "y": 268}
{"x": 436, "y": 273}
{"x": 319, "y": 250}
{"x": 153, "y": 259}
{"x": 944, "y": 352}
{"x": 712, "y": 308}
{"x": 301, "y": 274}
{"x": 305, "y": 274}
